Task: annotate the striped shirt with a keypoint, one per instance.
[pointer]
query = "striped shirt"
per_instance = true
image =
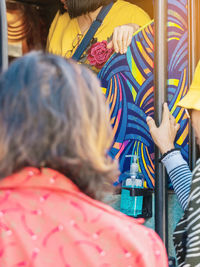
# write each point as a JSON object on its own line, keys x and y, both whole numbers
{"x": 186, "y": 236}
{"x": 179, "y": 174}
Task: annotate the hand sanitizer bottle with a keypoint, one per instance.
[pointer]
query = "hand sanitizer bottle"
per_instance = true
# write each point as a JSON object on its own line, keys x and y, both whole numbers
{"x": 132, "y": 205}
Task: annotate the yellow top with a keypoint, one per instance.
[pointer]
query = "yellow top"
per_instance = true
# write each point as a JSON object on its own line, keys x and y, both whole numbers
{"x": 65, "y": 33}
{"x": 192, "y": 98}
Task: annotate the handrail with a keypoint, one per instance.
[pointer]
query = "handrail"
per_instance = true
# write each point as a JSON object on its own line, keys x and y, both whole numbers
{"x": 193, "y": 22}
{"x": 3, "y": 37}
{"x": 160, "y": 96}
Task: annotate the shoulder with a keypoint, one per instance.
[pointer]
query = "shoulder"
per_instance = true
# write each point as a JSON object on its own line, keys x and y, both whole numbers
{"x": 123, "y": 228}
{"x": 133, "y": 11}
{"x": 124, "y": 5}
{"x": 59, "y": 22}
{"x": 60, "y": 18}
{"x": 57, "y": 27}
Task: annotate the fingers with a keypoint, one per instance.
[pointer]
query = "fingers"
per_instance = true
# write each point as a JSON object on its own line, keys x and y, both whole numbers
{"x": 120, "y": 41}
{"x": 174, "y": 123}
{"x": 133, "y": 28}
{"x": 150, "y": 123}
{"x": 110, "y": 45}
{"x": 125, "y": 41}
{"x": 168, "y": 119}
{"x": 177, "y": 127}
{"x": 129, "y": 39}
{"x": 166, "y": 114}
{"x": 115, "y": 43}
{"x": 172, "y": 119}
{"x": 122, "y": 38}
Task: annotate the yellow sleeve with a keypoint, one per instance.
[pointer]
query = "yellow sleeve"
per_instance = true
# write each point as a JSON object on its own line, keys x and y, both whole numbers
{"x": 51, "y": 31}
{"x": 132, "y": 13}
{"x": 140, "y": 17}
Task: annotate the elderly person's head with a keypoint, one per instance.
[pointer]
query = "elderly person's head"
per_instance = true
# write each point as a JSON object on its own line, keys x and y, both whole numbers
{"x": 77, "y": 8}
{"x": 191, "y": 102}
{"x": 53, "y": 114}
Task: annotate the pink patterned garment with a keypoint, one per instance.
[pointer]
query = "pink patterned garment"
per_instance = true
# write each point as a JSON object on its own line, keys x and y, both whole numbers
{"x": 45, "y": 221}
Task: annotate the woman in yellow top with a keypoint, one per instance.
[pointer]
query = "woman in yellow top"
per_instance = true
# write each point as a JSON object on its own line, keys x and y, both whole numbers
{"x": 75, "y": 17}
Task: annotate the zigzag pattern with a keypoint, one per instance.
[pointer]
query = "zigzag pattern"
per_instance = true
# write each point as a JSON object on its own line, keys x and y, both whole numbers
{"x": 127, "y": 82}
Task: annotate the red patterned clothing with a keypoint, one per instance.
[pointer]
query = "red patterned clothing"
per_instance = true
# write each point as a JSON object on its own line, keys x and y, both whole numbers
{"x": 45, "y": 221}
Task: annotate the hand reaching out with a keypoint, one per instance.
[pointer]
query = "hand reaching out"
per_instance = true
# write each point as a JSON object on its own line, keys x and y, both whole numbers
{"x": 122, "y": 37}
{"x": 165, "y": 134}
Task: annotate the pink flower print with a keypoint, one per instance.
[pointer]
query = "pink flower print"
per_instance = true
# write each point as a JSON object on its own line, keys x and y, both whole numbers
{"x": 98, "y": 54}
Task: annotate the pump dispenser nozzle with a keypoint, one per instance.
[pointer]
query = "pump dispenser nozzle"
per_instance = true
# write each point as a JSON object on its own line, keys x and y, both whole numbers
{"x": 133, "y": 168}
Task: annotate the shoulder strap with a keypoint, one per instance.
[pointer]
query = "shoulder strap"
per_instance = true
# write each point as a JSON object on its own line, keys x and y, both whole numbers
{"x": 91, "y": 32}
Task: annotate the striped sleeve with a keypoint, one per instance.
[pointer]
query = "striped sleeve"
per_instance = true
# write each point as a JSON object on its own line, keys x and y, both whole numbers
{"x": 186, "y": 236}
{"x": 179, "y": 174}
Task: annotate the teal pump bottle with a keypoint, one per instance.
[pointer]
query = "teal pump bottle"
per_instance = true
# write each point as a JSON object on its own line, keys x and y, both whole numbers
{"x": 132, "y": 205}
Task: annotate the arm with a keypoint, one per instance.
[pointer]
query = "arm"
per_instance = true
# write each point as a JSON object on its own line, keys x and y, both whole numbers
{"x": 179, "y": 174}
{"x": 122, "y": 35}
{"x": 176, "y": 166}
{"x": 51, "y": 32}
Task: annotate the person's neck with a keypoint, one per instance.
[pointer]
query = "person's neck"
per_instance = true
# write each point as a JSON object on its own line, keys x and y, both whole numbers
{"x": 86, "y": 20}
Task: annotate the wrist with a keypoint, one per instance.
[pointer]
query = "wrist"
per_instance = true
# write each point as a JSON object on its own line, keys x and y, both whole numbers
{"x": 167, "y": 148}
{"x": 171, "y": 151}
